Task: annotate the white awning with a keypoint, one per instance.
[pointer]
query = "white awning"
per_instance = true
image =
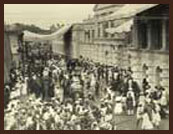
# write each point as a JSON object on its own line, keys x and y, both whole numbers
{"x": 130, "y": 10}
{"x": 127, "y": 11}
{"x": 110, "y": 30}
{"x": 30, "y": 36}
{"x": 125, "y": 27}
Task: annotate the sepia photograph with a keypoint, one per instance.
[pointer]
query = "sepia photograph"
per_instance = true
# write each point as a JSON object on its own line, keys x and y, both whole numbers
{"x": 86, "y": 67}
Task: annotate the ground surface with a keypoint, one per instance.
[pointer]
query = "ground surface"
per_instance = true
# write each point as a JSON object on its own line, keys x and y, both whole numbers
{"x": 129, "y": 123}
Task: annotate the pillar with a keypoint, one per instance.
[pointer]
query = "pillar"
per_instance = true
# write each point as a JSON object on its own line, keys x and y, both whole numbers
{"x": 101, "y": 30}
{"x": 86, "y": 35}
{"x": 91, "y": 37}
{"x": 96, "y": 30}
{"x": 135, "y": 34}
{"x": 164, "y": 35}
{"x": 109, "y": 26}
{"x": 149, "y": 36}
{"x": 83, "y": 36}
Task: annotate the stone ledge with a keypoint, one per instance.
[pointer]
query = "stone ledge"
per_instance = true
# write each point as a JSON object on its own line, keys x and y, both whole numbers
{"x": 149, "y": 51}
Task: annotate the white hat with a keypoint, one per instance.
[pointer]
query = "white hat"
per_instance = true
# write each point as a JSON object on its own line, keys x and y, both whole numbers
{"x": 77, "y": 102}
{"x": 155, "y": 101}
{"x": 102, "y": 100}
{"x": 106, "y": 101}
{"x": 118, "y": 99}
{"x": 80, "y": 99}
{"x": 130, "y": 89}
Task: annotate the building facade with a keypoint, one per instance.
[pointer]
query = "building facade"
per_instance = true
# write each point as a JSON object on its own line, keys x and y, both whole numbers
{"x": 95, "y": 42}
{"x": 134, "y": 38}
{"x": 11, "y": 46}
{"x": 7, "y": 57}
{"x": 149, "y": 55}
{"x": 124, "y": 35}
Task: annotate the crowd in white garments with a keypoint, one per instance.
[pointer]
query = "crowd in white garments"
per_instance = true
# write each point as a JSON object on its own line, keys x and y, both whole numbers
{"x": 79, "y": 94}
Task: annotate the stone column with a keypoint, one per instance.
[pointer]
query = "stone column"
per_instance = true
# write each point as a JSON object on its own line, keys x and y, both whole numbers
{"x": 96, "y": 30}
{"x": 135, "y": 34}
{"x": 101, "y": 30}
{"x": 149, "y": 36}
{"x": 86, "y": 35}
{"x": 164, "y": 35}
{"x": 91, "y": 37}
{"x": 109, "y": 26}
{"x": 83, "y": 36}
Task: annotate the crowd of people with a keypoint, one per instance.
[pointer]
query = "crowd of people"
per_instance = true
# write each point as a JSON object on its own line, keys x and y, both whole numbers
{"x": 56, "y": 93}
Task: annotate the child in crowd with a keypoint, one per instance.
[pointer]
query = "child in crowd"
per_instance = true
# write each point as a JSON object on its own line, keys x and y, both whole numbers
{"x": 118, "y": 106}
{"x": 130, "y": 104}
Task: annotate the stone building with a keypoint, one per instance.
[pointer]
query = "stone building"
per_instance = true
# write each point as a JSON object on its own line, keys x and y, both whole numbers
{"x": 96, "y": 42}
{"x": 7, "y": 57}
{"x": 129, "y": 35}
{"x": 125, "y": 35}
{"x": 11, "y": 46}
{"x": 149, "y": 53}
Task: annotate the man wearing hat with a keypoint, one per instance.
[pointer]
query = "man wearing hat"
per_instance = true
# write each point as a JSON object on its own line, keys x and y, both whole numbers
{"x": 130, "y": 102}
{"x": 47, "y": 85}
